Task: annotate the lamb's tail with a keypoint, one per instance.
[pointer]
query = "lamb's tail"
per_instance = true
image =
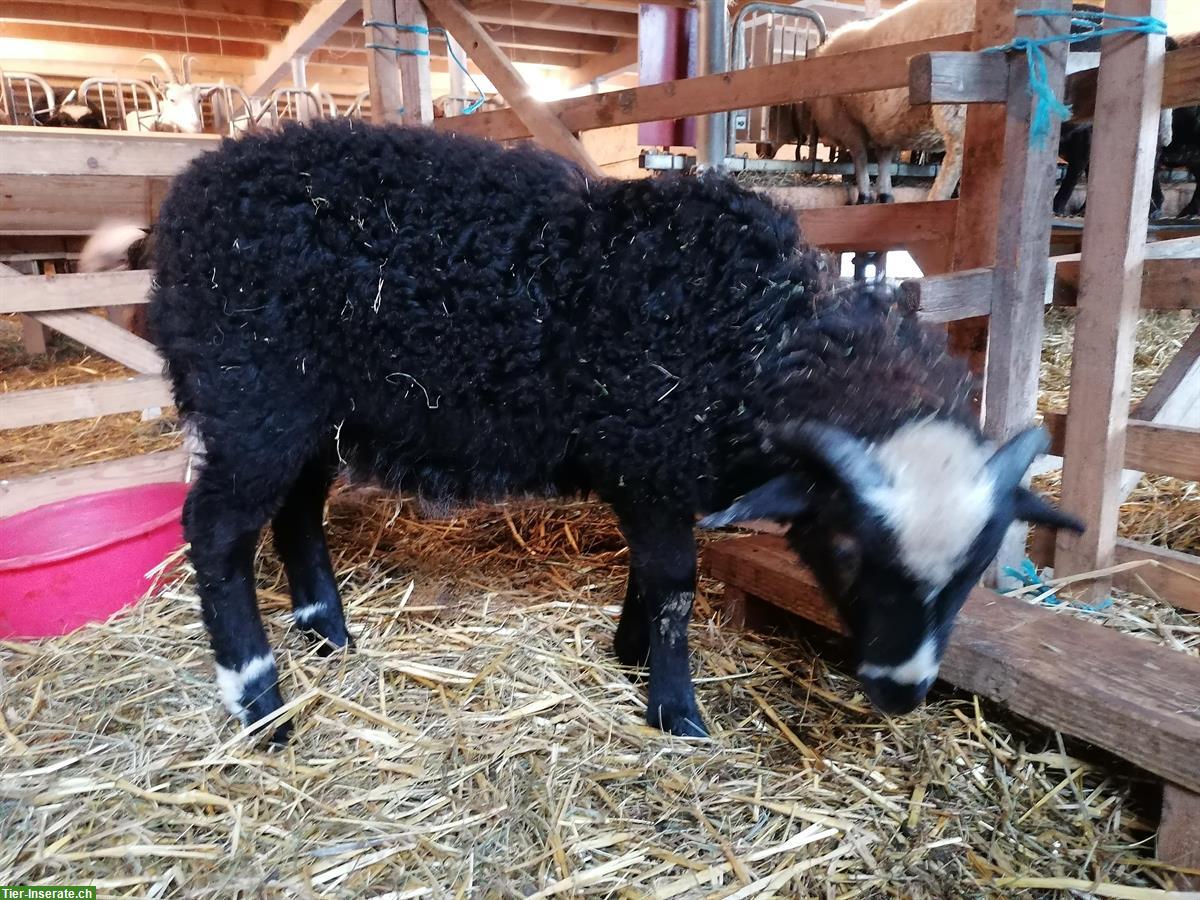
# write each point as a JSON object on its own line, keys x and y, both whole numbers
{"x": 108, "y": 249}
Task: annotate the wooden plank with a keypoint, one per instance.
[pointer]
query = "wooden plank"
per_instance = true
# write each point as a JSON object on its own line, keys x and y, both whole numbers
{"x": 414, "y": 65}
{"x": 536, "y": 116}
{"x": 322, "y": 19}
{"x": 624, "y": 56}
{"x": 876, "y": 226}
{"x": 1039, "y": 664}
{"x": 106, "y": 338}
{"x": 958, "y": 78}
{"x": 145, "y": 22}
{"x": 1166, "y": 283}
{"x": 75, "y": 204}
{"x": 1124, "y": 147}
{"x": 20, "y": 494}
{"x": 37, "y": 293}
{"x": 868, "y": 70}
{"x": 1175, "y": 397}
{"x": 74, "y": 151}
{"x": 1180, "y": 85}
{"x": 33, "y": 336}
{"x": 951, "y": 297}
{"x": 280, "y": 12}
{"x": 44, "y": 406}
{"x": 1162, "y": 449}
{"x": 1016, "y": 322}
{"x": 1178, "y": 841}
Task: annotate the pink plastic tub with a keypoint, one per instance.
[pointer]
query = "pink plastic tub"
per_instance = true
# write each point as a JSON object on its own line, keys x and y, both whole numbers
{"x": 78, "y": 561}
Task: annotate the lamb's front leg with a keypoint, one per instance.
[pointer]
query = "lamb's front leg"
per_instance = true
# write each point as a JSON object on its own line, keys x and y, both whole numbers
{"x": 662, "y": 551}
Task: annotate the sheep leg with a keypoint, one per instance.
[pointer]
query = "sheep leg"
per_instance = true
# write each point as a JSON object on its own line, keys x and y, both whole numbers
{"x": 1076, "y": 164}
{"x": 862, "y": 174}
{"x": 662, "y": 555}
{"x": 223, "y": 533}
{"x": 632, "y": 641}
{"x": 949, "y": 122}
{"x": 300, "y": 542}
{"x": 1193, "y": 205}
{"x": 883, "y": 182}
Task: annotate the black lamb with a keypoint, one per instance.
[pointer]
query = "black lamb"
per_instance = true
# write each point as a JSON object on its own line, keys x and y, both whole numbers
{"x": 465, "y": 321}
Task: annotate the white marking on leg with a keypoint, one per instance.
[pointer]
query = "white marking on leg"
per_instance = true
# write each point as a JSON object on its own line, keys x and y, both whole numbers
{"x": 306, "y": 614}
{"x": 232, "y": 682}
{"x": 919, "y": 668}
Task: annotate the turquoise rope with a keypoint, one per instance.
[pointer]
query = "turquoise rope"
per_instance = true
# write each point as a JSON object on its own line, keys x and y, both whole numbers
{"x": 1046, "y": 105}
{"x": 404, "y": 51}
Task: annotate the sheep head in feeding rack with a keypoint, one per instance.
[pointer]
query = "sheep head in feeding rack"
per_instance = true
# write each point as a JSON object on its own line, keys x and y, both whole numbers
{"x": 178, "y": 107}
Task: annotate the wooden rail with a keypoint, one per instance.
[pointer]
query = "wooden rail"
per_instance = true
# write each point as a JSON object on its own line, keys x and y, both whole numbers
{"x": 81, "y": 151}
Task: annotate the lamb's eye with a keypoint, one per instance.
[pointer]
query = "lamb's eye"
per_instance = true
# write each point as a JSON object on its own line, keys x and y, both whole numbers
{"x": 848, "y": 555}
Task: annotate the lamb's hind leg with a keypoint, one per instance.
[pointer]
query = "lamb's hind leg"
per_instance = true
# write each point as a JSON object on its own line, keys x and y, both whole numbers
{"x": 300, "y": 542}
{"x": 950, "y": 122}
{"x": 222, "y": 524}
{"x": 883, "y": 182}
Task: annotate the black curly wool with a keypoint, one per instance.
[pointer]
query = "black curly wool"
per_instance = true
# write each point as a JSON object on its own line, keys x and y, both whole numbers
{"x": 467, "y": 321}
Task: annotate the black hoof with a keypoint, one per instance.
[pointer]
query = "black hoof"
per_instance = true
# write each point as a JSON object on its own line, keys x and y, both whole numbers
{"x": 681, "y": 719}
{"x": 864, "y": 199}
{"x": 265, "y": 702}
{"x": 886, "y": 198}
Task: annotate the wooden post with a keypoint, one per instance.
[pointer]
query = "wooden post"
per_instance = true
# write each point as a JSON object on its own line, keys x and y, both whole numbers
{"x": 414, "y": 65}
{"x": 1021, "y": 273}
{"x": 383, "y": 70}
{"x": 543, "y": 124}
{"x": 1124, "y": 143}
{"x": 1179, "y": 833}
{"x": 979, "y": 212}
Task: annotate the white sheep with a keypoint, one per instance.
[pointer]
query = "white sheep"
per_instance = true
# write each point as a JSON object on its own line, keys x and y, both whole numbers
{"x": 178, "y": 104}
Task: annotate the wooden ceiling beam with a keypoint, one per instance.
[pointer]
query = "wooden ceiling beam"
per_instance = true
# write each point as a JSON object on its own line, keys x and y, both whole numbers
{"x": 40, "y": 12}
{"x": 53, "y": 58}
{"x": 322, "y": 19}
{"x": 624, "y": 56}
{"x": 278, "y": 12}
{"x": 145, "y": 41}
{"x": 329, "y": 56}
{"x": 352, "y": 38}
{"x": 556, "y": 18}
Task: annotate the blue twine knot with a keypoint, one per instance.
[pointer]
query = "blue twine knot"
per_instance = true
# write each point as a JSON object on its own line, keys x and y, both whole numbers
{"x": 404, "y": 51}
{"x": 1085, "y": 27}
{"x": 1029, "y": 577}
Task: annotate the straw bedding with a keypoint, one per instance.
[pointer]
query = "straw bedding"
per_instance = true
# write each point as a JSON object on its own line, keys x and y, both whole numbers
{"x": 482, "y": 741}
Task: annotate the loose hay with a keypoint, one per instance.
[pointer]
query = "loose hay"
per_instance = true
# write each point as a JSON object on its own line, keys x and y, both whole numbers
{"x": 482, "y": 741}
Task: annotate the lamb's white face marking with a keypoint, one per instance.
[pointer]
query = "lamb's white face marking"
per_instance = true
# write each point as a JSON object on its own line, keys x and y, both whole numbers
{"x": 921, "y": 667}
{"x": 232, "y": 682}
{"x": 939, "y": 497}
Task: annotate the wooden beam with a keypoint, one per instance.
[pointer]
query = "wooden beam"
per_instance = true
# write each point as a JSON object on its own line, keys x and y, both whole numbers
{"x": 1166, "y": 283}
{"x": 624, "y": 56}
{"x": 73, "y": 151}
{"x": 45, "y": 406}
{"x": 322, "y": 19}
{"x": 1037, "y": 663}
{"x": 74, "y": 204}
{"x": 1180, "y": 85}
{"x": 1149, "y": 447}
{"x": 958, "y": 78}
{"x": 279, "y": 12}
{"x": 880, "y": 68}
{"x": 949, "y": 298}
{"x": 876, "y": 226}
{"x": 383, "y": 67}
{"x": 414, "y": 63}
{"x": 156, "y": 22}
{"x": 1124, "y": 147}
{"x": 542, "y": 124}
{"x": 50, "y": 58}
{"x": 1016, "y": 322}
{"x": 106, "y": 338}
{"x": 557, "y": 18}
{"x": 91, "y": 36}
{"x": 20, "y": 494}
{"x": 37, "y": 293}
{"x": 1178, "y": 841}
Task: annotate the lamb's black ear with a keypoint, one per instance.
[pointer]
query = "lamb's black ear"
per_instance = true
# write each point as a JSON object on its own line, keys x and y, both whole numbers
{"x": 1031, "y": 507}
{"x": 780, "y": 499}
{"x": 1009, "y": 464}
